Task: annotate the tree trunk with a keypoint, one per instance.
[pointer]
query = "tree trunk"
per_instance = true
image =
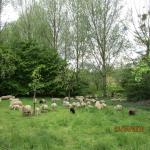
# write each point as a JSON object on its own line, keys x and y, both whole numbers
{"x": 34, "y": 102}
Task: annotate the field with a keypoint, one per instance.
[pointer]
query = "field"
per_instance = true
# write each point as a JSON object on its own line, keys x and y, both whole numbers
{"x": 88, "y": 129}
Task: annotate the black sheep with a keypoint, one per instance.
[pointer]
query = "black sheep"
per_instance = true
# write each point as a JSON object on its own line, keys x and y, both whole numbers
{"x": 131, "y": 112}
{"x": 72, "y": 110}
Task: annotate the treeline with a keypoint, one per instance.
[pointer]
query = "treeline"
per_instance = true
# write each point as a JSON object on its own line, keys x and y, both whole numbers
{"x": 64, "y": 47}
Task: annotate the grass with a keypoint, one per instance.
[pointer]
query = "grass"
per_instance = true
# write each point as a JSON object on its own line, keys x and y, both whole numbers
{"x": 88, "y": 129}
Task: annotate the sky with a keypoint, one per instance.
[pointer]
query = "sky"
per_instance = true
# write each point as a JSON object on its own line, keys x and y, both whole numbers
{"x": 9, "y": 14}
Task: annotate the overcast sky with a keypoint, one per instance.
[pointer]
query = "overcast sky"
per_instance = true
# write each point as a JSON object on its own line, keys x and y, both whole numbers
{"x": 9, "y": 14}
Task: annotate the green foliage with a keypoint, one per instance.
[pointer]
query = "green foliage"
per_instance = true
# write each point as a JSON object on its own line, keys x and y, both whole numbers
{"x": 8, "y": 61}
{"x": 135, "y": 81}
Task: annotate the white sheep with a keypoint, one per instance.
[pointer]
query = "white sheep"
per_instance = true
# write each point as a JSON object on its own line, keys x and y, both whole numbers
{"x": 83, "y": 104}
{"x": 14, "y": 107}
{"x": 98, "y": 105}
{"x": 27, "y": 110}
{"x": 44, "y": 108}
{"x": 104, "y": 105}
{"x": 66, "y": 99}
{"x": 66, "y": 103}
{"x": 37, "y": 110}
{"x": 53, "y": 106}
{"x": 80, "y": 98}
{"x": 118, "y": 107}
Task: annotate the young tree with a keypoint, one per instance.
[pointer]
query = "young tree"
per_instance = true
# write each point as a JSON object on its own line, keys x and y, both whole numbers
{"x": 36, "y": 82}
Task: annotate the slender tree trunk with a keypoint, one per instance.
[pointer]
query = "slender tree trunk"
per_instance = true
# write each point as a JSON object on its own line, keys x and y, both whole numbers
{"x": 34, "y": 102}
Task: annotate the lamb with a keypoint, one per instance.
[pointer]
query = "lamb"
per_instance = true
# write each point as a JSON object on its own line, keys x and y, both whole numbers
{"x": 44, "y": 108}
{"x": 53, "y": 105}
{"x": 27, "y": 110}
{"x": 98, "y": 105}
{"x": 118, "y": 107}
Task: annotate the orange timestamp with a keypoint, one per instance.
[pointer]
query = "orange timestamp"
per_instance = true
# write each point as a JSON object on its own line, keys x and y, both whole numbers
{"x": 129, "y": 129}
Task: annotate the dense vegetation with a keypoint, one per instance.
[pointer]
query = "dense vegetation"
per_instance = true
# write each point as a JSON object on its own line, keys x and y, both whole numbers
{"x": 62, "y": 48}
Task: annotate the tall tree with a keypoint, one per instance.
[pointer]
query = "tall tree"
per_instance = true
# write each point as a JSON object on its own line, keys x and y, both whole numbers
{"x": 107, "y": 34}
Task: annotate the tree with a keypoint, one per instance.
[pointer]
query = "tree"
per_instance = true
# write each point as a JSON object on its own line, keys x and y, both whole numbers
{"x": 142, "y": 30}
{"x": 36, "y": 82}
{"x": 107, "y": 35}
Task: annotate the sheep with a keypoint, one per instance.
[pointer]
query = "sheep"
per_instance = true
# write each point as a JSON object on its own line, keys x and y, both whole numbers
{"x": 98, "y": 105}
{"x": 118, "y": 107}
{"x": 27, "y": 110}
{"x": 14, "y": 107}
{"x": 37, "y": 110}
{"x": 80, "y": 98}
{"x": 16, "y": 102}
{"x": 131, "y": 112}
{"x": 7, "y": 97}
{"x": 74, "y": 104}
{"x": 42, "y": 101}
{"x": 88, "y": 103}
{"x": 83, "y": 104}
{"x": 66, "y": 104}
{"x": 55, "y": 99}
{"x": 44, "y": 108}
{"x": 66, "y": 99}
{"x": 72, "y": 109}
{"x": 78, "y": 104}
{"x": 53, "y": 105}
{"x": 104, "y": 105}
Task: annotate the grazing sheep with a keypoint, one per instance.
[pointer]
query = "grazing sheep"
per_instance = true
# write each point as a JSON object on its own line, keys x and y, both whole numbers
{"x": 27, "y": 110}
{"x": 66, "y": 104}
{"x": 53, "y": 106}
{"x": 7, "y": 97}
{"x": 80, "y": 98}
{"x": 44, "y": 108}
{"x": 88, "y": 103}
{"x": 15, "y": 107}
{"x": 78, "y": 104}
{"x": 66, "y": 99}
{"x": 131, "y": 112}
{"x": 72, "y": 109}
{"x": 98, "y": 105}
{"x": 118, "y": 107}
{"x": 37, "y": 111}
{"x": 104, "y": 105}
{"x": 16, "y": 102}
{"x": 83, "y": 104}
{"x": 74, "y": 104}
{"x": 42, "y": 101}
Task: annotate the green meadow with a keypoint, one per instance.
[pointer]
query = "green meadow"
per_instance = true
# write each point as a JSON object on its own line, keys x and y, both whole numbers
{"x": 88, "y": 129}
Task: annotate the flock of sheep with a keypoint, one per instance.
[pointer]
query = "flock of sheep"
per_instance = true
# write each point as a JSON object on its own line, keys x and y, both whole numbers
{"x": 72, "y": 104}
